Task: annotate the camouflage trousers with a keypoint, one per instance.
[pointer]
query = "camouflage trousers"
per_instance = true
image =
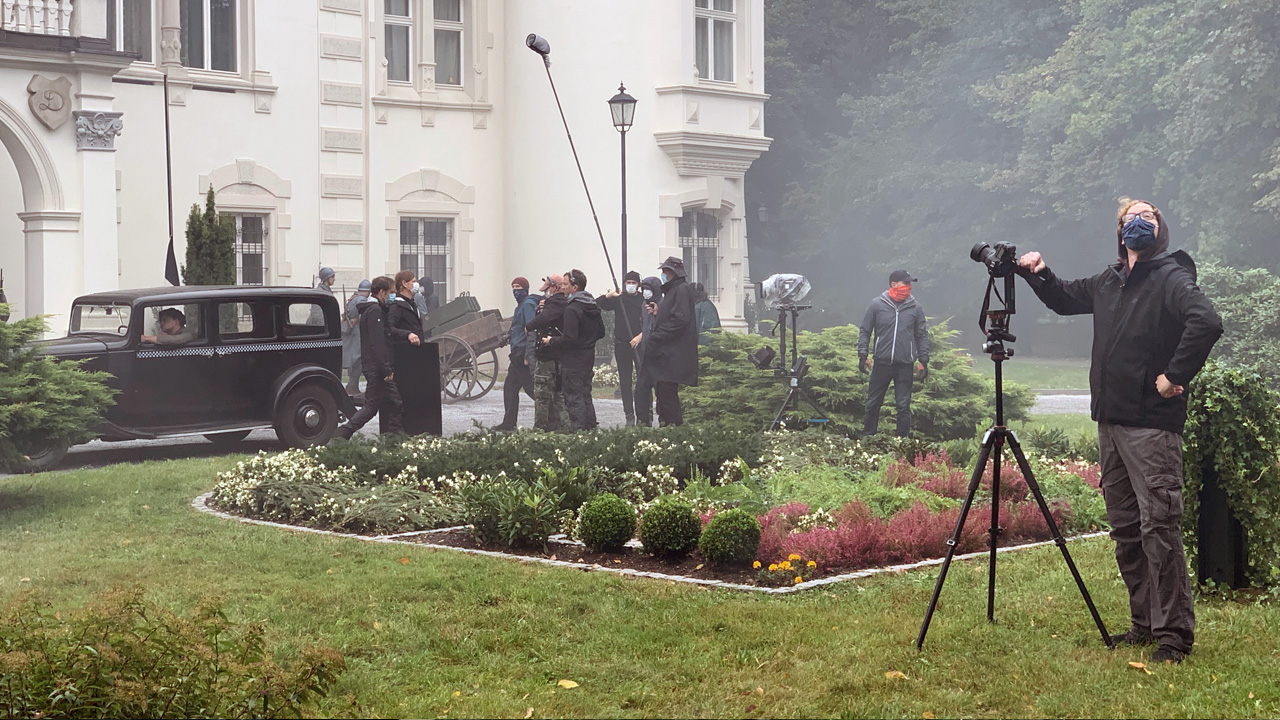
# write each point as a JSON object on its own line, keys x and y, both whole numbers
{"x": 549, "y": 409}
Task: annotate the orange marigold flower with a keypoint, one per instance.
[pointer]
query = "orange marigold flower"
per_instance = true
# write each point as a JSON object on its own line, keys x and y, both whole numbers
{"x": 813, "y": 564}
{"x": 756, "y": 564}
{"x": 773, "y": 567}
{"x": 799, "y": 579}
{"x": 793, "y": 556}
{"x": 786, "y": 565}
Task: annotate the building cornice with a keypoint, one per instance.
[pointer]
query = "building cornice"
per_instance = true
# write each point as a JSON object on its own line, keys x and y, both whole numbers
{"x": 708, "y": 154}
{"x": 711, "y": 90}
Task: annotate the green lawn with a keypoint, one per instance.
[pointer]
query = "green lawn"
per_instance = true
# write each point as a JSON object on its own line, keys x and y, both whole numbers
{"x": 446, "y": 634}
{"x": 1072, "y": 424}
{"x": 1043, "y": 373}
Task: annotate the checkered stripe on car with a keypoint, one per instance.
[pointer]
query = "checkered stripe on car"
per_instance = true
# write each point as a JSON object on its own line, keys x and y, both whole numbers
{"x": 230, "y": 349}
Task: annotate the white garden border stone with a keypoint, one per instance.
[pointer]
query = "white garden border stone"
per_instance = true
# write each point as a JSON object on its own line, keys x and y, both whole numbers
{"x": 201, "y": 504}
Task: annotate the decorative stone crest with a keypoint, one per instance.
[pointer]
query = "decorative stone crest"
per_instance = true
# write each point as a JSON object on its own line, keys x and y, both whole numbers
{"x": 97, "y": 129}
{"x": 50, "y": 100}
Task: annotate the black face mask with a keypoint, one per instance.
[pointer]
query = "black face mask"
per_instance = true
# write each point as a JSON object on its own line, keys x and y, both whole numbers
{"x": 520, "y": 294}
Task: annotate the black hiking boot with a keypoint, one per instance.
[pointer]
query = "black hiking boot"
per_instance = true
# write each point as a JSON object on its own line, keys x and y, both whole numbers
{"x": 1135, "y": 636}
{"x": 1167, "y": 654}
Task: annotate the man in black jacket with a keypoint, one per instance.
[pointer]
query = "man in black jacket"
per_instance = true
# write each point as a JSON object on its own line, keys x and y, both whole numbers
{"x": 626, "y": 309}
{"x": 672, "y": 353}
{"x": 549, "y": 411}
{"x": 901, "y": 343}
{"x": 1152, "y": 332}
{"x": 381, "y": 393}
{"x": 575, "y": 346}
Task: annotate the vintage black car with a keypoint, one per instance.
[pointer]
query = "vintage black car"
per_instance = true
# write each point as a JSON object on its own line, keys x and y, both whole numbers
{"x": 211, "y": 360}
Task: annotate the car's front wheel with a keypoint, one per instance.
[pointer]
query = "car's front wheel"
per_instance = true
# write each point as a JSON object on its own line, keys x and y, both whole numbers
{"x": 307, "y": 416}
{"x": 44, "y": 458}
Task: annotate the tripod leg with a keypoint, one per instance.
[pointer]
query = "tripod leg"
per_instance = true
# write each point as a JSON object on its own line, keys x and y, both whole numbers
{"x": 777, "y": 419}
{"x": 987, "y": 444}
{"x": 993, "y": 539}
{"x": 1057, "y": 536}
{"x": 809, "y": 399}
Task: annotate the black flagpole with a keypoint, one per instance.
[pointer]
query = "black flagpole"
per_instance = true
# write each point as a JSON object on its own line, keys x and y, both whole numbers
{"x": 171, "y": 260}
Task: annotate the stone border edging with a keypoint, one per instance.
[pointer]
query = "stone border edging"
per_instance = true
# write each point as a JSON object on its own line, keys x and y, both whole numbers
{"x": 201, "y": 504}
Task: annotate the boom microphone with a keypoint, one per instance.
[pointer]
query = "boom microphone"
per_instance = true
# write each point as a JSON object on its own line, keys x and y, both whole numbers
{"x": 539, "y": 44}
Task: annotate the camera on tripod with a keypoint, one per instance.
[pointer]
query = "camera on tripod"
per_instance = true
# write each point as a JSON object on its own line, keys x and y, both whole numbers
{"x": 1001, "y": 260}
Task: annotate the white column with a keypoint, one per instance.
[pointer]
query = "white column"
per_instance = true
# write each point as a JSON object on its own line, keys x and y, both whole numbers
{"x": 97, "y": 126}
{"x": 54, "y": 264}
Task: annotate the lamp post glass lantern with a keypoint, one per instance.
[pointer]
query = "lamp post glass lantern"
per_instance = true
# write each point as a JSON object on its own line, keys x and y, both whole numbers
{"x": 623, "y": 108}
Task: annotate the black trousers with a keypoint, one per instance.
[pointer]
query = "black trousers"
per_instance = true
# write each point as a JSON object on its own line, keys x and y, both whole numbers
{"x": 576, "y": 385}
{"x": 519, "y": 377}
{"x": 626, "y": 358}
{"x": 382, "y": 398}
{"x": 882, "y": 373}
{"x": 643, "y": 399}
{"x": 670, "y": 412}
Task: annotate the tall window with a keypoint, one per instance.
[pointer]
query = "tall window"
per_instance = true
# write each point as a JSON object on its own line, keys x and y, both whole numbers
{"x": 251, "y": 250}
{"x": 398, "y": 29}
{"x": 700, "y": 239}
{"x": 713, "y": 26}
{"x": 448, "y": 37}
{"x": 208, "y": 34}
{"x": 424, "y": 249}
{"x": 129, "y": 26}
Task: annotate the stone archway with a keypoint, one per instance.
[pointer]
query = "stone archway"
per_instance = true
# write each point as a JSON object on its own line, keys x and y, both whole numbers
{"x": 49, "y": 234}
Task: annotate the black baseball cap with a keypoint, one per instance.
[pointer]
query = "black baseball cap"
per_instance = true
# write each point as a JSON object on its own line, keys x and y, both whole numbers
{"x": 901, "y": 276}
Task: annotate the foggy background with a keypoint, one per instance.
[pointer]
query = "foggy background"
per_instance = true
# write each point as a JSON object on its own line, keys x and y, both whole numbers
{"x": 905, "y": 131}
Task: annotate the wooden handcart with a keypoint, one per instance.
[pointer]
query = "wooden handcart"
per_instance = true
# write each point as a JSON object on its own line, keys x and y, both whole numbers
{"x": 468, "y": 339}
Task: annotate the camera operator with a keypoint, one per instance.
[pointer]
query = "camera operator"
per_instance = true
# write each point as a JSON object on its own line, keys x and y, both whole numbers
{"x": 651, "y": 294}
{"x": 549, "y": 410}
{"x": 575, "y": 345}
{"x": 519, "y": 373}
{"x": 627, "y": 309}
{"x": 1152, "y": 332}
{"x": 671, "y": 357}
{"x": 901, "y": 344}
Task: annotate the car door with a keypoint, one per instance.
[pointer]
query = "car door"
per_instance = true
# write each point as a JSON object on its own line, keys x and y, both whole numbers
{"x": 247, "y": 351}
{"x": 167, "y": 389}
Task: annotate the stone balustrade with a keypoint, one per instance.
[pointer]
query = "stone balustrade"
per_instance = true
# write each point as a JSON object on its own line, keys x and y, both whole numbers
{"x": 38, "y": 17}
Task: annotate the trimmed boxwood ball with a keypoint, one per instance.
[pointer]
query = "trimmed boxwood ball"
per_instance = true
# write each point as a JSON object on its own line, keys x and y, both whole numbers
{"x": 669, "y": 529}
{"x": 731, "y": 538}
{"x": 606, "y": 522}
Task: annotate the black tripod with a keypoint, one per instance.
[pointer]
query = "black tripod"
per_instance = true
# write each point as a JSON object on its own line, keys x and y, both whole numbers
{"x": 992, "y": 444}
{"x": 794, "y": 372}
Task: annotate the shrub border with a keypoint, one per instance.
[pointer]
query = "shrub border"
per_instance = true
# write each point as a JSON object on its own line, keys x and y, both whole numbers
{"x": 201, "y": 505}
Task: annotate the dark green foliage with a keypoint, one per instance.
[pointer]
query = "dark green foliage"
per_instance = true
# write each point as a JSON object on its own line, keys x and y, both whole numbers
{"x": 606, "y": 523}
{"x": 46, "y": 402}
{"x": 1248, "y": 301}
{"x": 211, "y": 237}
{"x": 124, "y": 657}
{"x": 511, "y": 512}
{"x": 951, "y": 403}
{"x": 1051, "y": 441}
{"x": 670, "y": 528}
{"x": 731, "y": 537}
{"x": 1233, "y": 422}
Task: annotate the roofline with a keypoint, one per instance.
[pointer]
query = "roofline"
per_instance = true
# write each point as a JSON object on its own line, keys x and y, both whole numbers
{"x": 197, "y": 292}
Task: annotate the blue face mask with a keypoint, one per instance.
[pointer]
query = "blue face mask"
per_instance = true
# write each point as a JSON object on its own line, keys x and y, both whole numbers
{"x": 665, "y": 279}
{"x": 1138, "y": 234}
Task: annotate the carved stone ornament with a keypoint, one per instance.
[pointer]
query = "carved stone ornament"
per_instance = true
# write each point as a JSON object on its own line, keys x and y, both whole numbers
{"x": 50, "y": 100}
{"x": 97, "y": 130}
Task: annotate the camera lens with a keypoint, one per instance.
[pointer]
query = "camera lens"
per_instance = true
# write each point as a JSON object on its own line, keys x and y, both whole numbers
{"x": 982, "y": 253}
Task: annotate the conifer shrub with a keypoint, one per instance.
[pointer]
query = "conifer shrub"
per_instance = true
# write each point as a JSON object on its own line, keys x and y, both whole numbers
{"x": 606, "y": 523}
{"x": 731, "y": 537}
{"x": 670, "y": 528}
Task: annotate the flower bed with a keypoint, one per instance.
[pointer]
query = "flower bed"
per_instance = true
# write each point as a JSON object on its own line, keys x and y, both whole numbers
{"x": 836, "y": 503}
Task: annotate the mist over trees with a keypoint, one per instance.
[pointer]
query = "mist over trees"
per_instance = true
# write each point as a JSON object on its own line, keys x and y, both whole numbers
{"x": 905, "y": 131}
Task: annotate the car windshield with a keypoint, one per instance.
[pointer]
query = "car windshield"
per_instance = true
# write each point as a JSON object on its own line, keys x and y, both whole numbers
{"x": 100, "y": 318}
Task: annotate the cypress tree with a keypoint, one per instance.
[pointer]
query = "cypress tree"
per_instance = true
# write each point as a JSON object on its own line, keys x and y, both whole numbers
{"x": 210, "y": 246}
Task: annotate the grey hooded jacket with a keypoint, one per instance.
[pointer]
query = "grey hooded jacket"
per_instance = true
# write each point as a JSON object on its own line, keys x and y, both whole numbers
{"x": 901, "y": 335}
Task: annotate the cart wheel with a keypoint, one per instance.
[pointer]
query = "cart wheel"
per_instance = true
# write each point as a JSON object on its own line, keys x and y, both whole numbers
{"x": 457, "y": 368}
{"x": 486, "y": 373}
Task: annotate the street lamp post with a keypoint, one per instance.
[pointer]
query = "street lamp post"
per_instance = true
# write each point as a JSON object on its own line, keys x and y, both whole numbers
{"x": 623, "y": 108}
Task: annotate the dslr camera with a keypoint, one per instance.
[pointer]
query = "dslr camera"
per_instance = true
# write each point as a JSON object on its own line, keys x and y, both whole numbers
{"x": 1001, "y": 260}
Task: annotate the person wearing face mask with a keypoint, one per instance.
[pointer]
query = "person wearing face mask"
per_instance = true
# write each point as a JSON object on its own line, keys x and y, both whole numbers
{"x": 650, "y": 295}
{"x": 403, "y": 322}
{"x": 549, "y": 410}
{"x": 630, "y": 304}
{"x": 901, "y": 348}
{"x": 519, "y": 374}
{"x": 1152, "y": 332}
{"x": 581, "y": 327}
{"x": 424, "y": 297}
{"x": 672, "y": 347}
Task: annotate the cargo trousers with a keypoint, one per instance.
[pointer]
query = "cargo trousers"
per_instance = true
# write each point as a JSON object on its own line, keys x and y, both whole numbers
{"x": 1142, "y": 487}
{"x": 549, "y": 410}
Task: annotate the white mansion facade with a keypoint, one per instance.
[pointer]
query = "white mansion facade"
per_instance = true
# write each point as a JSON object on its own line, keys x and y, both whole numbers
{"x": 374, "y": 135}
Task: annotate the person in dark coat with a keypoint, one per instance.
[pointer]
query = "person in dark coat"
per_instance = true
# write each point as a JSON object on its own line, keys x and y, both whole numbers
{"x": 403, "y": 322}
{"x": 626, "y": 308}
{"x": 425, "y": 297}
{"x": 1153, "y": 329}
{"x": 549, "y": 410}
{"x": 519, "y": 374}
{"x": 381, "y": 394}
{"x": 672, "y": 355}
{"x": 705, "y": 314}
{"x": 897, "y": 323}
{"x": 575, "y": 345}
{"x": 351, "y": 336}
{"x": 650, "y": 295}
